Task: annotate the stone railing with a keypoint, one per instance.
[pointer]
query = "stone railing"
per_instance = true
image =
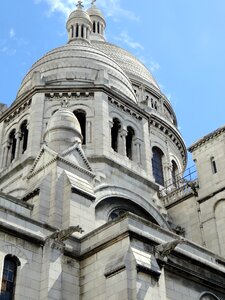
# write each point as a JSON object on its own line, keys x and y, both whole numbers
{"x": 175, "y": 194}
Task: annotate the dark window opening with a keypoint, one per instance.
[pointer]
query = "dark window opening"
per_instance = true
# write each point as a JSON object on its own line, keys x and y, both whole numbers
{"x": 72, "y": 31}
{"x": 12, "y": 144}
{"x": 24, "y": 136}
{"x": 82, "y": 31}
{"x": 77, "y": 30}
{"x": 213, "y": 164}
{"x": 117, "y": 213}
{"x": 157, "y": 167}
{"x": 94, "y": 27}
{"x": 81, "y": 117}
{"x": 9, "y": 278}
{"x": 129, "y": 142}
{"x": 98, "y": 27}
{"x": 115, "y": 134}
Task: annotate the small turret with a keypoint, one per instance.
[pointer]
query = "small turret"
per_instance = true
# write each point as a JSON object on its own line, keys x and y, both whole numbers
{"x": 98, "y": 23}
{"x": 79, "y": 25}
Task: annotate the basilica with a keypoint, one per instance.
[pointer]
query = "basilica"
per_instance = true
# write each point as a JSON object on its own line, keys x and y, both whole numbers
{"x": 95, "y": 202}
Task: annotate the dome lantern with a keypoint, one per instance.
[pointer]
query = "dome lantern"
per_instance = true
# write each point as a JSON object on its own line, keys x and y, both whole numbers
{"x": 98, "y": 22}
{"x": 79, "y": 25}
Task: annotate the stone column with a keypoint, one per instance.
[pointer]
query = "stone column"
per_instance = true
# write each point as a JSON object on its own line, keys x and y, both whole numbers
{"x": 89, "y": 132}
{"x": 85, "y": 32}
{"x": 4, "y": 149}
{"x": 18, "y": 144}
{"x": 110, "y": 133}
{"x": 122, "y": 142}
{"x": 51, "y": 277}
{"x": 7, "y": 154}
{"x": 79, "y": 30}
{"x": 137, "y": 150}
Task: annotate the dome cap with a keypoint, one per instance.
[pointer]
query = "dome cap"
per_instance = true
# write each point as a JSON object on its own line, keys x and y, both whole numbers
{"x": 63, "y": 129}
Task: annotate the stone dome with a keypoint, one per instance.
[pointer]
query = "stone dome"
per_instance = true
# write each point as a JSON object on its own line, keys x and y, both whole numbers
{"x": 63, "y": 130}
{"x": 77, "y": 64}
{"x": 79, "y": 14}
{"x": 94, "y": 11}
{"x": 134, "y": 69}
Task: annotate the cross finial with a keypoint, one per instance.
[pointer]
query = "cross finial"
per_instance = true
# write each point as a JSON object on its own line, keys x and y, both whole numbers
{"x": 79, "y": 4}
{"x": 93, "y": 2}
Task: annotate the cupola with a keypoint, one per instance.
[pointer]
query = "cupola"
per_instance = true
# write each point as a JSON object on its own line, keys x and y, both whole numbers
{"x": 98, "y": 23}
{"x": 79, "y": 25}
{"x": 63, "y": 130}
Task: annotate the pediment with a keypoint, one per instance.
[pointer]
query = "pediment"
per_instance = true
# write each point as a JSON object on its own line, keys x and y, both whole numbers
{"x": 74, "y": 156}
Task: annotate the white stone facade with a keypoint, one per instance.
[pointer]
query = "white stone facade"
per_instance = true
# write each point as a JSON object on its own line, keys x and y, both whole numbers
{"x": 91, "y": 141}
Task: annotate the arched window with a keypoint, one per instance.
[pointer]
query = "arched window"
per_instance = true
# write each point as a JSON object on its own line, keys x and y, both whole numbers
{"x": 24, "y": 136}
{"x": 157, "y": 167}
{"x": 82, "y": 31}
{"x": 12, "y": 145}
{"x": 213, "y": 165}
{"x": 72, "y": 31}
{"x": 174, "y": 173}
{"x": 115, "y": 134}
{"x": 117, "y": 213}
{"x": 9, "y": 277}
{"x": 129, "y": 142}
{"x": 94, "y": 27}
{"x": 77, "y": 30}
{"x": 81, "y": 117}
{"x": 98, "y": 27}
{"x": 208, "y": 296}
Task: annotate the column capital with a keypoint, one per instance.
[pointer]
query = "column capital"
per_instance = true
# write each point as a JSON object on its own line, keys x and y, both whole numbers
{"x": 123, "y": 132}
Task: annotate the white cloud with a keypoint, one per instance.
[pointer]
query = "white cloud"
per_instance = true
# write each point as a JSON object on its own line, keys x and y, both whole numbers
{"x": 12, "y": 33}
{"x": 127, "y": 40}
{"x": 7, "y": 50}
{"x": 154, "y": 66}
{"x": 112, "y": 8}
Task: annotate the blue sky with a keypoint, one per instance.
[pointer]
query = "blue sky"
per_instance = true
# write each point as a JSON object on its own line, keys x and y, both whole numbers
{"x": 182, "y": 42}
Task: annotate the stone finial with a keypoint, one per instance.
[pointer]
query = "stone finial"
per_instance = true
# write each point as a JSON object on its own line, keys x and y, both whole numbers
{"x": 93, "y": 2}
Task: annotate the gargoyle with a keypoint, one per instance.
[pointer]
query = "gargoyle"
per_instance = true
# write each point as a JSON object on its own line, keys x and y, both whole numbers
{"x": 64, "y": 234}
{"x": 163, "y": 250}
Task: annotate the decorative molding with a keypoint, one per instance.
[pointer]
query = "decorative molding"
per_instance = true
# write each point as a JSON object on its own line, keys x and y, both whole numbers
{"x": 206, "y": 138}
{"x": 58, "y": 96}
{"x": 17, "y": 111}
{"x": 125, "y": 108}
{"x": 172, "y": 135}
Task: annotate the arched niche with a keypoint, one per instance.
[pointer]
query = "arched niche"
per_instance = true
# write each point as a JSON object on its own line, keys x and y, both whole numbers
{"x": 219, "y": 211}
{"x": 112, "y": 207}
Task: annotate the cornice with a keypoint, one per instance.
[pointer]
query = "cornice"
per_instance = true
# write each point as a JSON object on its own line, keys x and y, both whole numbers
{"x": 174, "y": 135}
{"x": 12, "y": 112}
{"x": 206, "y": 139}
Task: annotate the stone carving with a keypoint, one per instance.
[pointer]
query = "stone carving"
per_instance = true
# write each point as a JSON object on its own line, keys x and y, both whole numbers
{"x": 64, "y": 234}
{"x": 163, "y": 250}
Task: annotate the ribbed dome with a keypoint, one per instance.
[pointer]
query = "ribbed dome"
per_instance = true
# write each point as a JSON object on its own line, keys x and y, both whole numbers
{"x": 79, "y": 64}
{"x": 132, "y": 66}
